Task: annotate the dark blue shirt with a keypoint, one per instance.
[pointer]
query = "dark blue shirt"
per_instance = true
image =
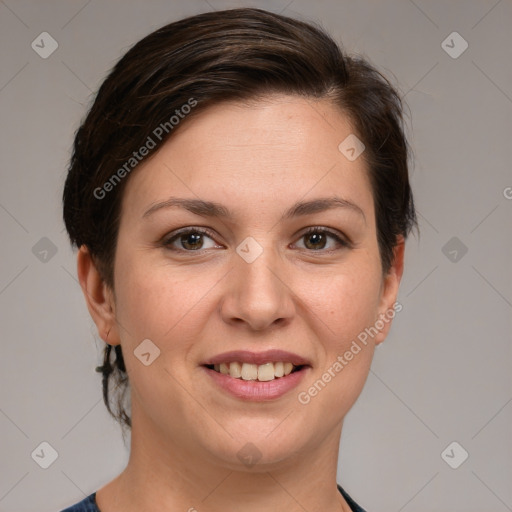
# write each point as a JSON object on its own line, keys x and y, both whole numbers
{"x": 89, "y": 504}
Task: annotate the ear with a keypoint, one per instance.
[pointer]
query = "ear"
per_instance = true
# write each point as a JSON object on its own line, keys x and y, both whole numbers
{"x": 98, "y": 296}
{"x": 388, "y": 306}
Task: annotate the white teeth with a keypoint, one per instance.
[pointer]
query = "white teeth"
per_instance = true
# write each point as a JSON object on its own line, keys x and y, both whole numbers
{"x": 279, "y": 369}
{"x": 247, "y": 371}
{"x": 288, "y": 367}
{"x": 266, "y": 372}
{"x": 235, "y": 370}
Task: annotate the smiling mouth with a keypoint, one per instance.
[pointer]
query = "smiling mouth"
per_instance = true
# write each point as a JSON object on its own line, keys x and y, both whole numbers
{"x": 255, "y": 372}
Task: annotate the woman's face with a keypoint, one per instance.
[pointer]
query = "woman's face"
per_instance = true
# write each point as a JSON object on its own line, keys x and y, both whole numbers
{"x": 254, "y": 283}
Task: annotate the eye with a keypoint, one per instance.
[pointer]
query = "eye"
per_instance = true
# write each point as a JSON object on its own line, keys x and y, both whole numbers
{"x": 190, "y": 240}
{"x": 316, "y": 239}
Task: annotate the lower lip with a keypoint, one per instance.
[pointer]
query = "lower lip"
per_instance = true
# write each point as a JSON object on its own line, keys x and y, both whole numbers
{"x": 254, "y": 390}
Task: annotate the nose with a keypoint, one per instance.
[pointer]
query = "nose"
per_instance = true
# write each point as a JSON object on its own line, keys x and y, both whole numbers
{"x": 258, "y": 294}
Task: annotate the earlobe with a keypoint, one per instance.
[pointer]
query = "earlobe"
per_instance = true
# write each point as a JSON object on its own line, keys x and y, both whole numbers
{"x": 98, "y": 297}
{"x": 390, "y": 287}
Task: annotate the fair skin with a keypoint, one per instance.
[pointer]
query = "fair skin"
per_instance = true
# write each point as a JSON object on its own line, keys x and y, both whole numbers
{"x": 302, "y": 294}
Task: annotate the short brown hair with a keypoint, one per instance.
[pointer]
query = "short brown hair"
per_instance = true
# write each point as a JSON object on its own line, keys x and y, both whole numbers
{"x": 236, "y": 54}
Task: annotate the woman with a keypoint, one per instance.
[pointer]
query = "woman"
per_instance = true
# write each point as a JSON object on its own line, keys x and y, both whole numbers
{"x": 239, "y": 195}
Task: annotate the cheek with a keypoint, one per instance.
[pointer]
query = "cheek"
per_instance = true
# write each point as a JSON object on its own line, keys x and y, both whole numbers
{"x": 155, "y": 302}
{"x": 346, "y": 301}
{"x": 345, "y": 311}
{"x": 345, "y": 308}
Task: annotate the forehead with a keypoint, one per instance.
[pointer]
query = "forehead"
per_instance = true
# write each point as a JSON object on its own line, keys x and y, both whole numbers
{"x": 274, "y": 149}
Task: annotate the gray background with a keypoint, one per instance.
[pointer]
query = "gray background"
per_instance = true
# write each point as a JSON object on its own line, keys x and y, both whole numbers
{"x": 443, "y": 374}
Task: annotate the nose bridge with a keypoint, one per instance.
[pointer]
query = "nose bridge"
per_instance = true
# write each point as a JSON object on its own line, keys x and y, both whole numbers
{"x": 256, "y": 259}
{"x": 256, "y": 262}
{"x": 257, "y": 295}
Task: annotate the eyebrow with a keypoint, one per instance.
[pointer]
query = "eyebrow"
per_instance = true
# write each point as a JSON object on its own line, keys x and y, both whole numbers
{"x": 213, "y": 209}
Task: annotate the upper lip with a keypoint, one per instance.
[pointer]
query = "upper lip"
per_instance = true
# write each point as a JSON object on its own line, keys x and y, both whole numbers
{"x": 268, "y": 356}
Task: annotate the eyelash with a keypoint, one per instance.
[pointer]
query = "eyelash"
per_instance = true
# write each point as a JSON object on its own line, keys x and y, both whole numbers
{"x": 167, "y": 243}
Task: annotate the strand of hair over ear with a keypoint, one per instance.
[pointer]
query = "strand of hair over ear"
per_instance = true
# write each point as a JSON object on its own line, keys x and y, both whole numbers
{"x": 107, "y": 369}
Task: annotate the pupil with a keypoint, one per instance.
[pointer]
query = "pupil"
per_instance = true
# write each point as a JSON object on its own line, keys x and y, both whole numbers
{"x": 318, "y": 237}
{"x": 193, "y": 236}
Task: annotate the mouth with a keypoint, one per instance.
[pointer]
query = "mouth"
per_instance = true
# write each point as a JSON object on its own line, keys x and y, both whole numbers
{"x": 254, "y": 372}
{"x": 254, "y": 376}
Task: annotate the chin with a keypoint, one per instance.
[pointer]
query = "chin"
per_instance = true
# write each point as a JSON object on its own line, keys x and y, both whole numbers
{"x": 260, "y": 446}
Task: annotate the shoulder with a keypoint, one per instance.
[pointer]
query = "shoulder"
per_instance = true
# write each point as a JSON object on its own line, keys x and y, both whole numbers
{"x": 351, "y": 503}
{"x": 86, "y": 505}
